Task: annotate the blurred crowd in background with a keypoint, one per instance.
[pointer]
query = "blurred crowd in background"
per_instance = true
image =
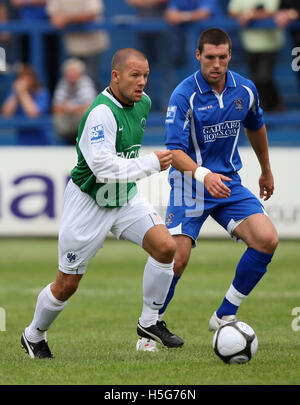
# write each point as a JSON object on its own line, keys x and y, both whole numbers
{"x": 74, "y": 59}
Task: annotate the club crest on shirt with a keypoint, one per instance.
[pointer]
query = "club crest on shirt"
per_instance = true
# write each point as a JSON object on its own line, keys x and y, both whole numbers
{"x": 169, "y": 219}
{"x": 239, "y": 103}
{"x": 143, "y": 122}
{"x": 71, "y": 257}
{"x": 97, "y": 134}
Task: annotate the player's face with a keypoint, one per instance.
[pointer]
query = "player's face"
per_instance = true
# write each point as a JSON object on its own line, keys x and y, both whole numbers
{"x": 214, "y": 61}
{"x": 131, "y": 80}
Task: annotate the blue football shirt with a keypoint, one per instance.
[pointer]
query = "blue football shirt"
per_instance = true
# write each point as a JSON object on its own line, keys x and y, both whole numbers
{"x": 190, "y": 5}
{"x": 206, "y": 125}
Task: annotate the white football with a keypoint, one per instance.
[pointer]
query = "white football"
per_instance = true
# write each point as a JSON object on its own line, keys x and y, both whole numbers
{"x": 235, "y": 342}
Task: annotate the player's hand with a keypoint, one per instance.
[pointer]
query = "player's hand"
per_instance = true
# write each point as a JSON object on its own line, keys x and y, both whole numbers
{"x": 215, "y": 186}
{"x": 164, "y": 157}
{"x": 266, "y": 185}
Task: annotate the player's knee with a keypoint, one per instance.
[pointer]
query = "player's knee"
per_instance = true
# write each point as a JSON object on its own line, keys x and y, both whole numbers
{"x": 268, "y": 243}
{"x": 272, "y": 243}
{"x": 166, "y": 251}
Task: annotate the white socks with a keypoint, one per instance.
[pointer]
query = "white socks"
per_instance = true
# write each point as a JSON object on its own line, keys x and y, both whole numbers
{"x": 234, "y": 296}
{"x": 156, "y": 282}
{"x": 46, "y": 311}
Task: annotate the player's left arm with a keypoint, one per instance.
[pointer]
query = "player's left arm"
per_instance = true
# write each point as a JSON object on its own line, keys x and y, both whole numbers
{"x": 259, "y": 142}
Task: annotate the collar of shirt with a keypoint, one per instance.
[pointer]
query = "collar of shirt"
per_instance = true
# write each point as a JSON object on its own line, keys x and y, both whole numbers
{"x": 204, "y": 87}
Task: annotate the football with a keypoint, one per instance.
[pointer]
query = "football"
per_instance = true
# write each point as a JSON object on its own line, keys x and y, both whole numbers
{"x": 235, "y": 343}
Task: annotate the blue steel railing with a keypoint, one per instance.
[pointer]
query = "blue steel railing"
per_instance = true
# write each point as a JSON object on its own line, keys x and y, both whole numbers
{"x": 36, "y": 29}
{"x": 286, "y": 125}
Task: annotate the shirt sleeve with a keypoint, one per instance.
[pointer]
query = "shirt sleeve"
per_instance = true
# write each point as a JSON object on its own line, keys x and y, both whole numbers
{"x": 196, "y": 5}
{"x": 254, "y": 119}
{"x": 97, "y": 145}
{"x": 42, "y": 99}
{"x": 60, "y": 93}
{"x": 210, "y": 5}
{"x": 178, "y": 122}
{"x": 235, "y": 6}
{"x": 95, "y": 6}
{"x": 173, "y": 4}
{"x": 51, "y": 7}
{"x": 86, "y": 92}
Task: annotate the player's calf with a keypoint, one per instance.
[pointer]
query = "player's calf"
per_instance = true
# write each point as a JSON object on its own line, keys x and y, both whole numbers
{"x": 65, "y": 285}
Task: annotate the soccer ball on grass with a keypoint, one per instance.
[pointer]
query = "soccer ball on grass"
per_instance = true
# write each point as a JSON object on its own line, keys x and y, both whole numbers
{"x": 235, "y": 342}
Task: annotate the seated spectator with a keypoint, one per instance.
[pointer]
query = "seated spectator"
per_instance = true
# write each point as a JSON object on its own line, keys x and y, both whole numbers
{"x": 73, "y": 95}
{"x": 187, "y": 11}
{"x": 84, "y": 45}
{"x": 262, "y": 46}
{"x": 25, "y": 10}
{"x": 31, "y": 11}
{"x": 180, "y": 13}
{"x": 28, "y": 98}
{"x": 155, "y": 45}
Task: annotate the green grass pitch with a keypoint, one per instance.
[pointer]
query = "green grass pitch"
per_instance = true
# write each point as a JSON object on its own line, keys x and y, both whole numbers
{"x": 94, "y": 339}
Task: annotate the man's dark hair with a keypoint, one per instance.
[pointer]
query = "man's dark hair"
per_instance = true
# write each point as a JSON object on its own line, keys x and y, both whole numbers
{"x": 213, "y": 36}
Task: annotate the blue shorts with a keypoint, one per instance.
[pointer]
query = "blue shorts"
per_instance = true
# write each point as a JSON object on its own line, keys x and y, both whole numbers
{"x": 188, "y": 210}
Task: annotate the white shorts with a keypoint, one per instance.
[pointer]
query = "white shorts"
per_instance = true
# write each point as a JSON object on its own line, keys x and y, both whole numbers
{"x": 84, "y": 227}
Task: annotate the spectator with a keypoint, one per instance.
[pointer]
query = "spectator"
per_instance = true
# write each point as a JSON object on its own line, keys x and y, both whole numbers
{"x": 180, "y": 14}
{"x": 289, "y": 11}
{"x": 31, "y": 11}
{"x": 28, "y": 98}
{"x": 261, "y": 46}
{"x": 187, "y": 11}
{"x": 85, "y": 45}
{"x": 155, "y": 45}
{"x": 73, "y": 95}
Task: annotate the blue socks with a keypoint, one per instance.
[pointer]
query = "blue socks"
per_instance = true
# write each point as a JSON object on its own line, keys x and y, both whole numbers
{"x": 251, "y": 268}
{"x": 170, "y": 294}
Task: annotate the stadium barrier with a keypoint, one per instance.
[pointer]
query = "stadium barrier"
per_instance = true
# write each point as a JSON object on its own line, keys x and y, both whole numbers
{"x": 130, "y": 23}
{"x": 282, "y": 129}
{"x": 31, "y": 193}
{"x": 37, "y": 29}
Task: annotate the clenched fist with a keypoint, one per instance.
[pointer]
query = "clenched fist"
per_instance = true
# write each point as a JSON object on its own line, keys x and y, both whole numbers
{"x": 165, "y": 158}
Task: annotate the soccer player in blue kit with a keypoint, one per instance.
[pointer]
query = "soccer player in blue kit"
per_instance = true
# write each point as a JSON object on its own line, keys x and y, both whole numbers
{"x": 205, "y": 115}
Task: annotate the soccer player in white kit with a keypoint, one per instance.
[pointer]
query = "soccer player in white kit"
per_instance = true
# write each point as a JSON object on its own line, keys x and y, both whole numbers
{"x": 102, "y": 196}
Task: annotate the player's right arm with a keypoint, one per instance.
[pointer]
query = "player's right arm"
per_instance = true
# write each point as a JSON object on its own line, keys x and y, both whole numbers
{"x": 212, "y": 181}
{"x": 178, "y": 135}
{"x": 101, "y": 155}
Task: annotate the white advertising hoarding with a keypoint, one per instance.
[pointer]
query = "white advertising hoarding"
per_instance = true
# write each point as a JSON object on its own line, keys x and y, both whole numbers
{"x": 32, "y": 182}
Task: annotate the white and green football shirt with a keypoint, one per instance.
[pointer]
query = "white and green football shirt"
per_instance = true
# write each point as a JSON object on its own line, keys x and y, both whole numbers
{"x": 109, "y": 138}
